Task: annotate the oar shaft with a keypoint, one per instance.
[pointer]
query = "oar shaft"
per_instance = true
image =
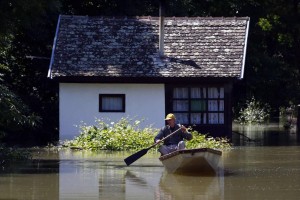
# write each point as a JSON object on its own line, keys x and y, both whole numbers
{"x": 164, "y": 138}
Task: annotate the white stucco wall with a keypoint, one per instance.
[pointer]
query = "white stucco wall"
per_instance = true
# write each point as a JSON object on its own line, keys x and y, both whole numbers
{"x": 80, "y": 103}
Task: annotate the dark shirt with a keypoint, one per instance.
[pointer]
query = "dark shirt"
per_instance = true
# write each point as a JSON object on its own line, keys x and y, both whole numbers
{"x": 174, "y": 139}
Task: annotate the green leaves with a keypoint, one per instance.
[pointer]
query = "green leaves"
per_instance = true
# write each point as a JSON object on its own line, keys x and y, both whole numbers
{"x": 202, "y": 141}
{"x": 26, "y": 96}
{"x": 265, "y": 24}
{"x": 268, "y": 23}
{"x": 14, "y": 113}
{"x": 122, "y": 135}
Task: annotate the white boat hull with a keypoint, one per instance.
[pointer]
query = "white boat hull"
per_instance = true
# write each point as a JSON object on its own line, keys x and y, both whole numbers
{"x": 202, "y": 160}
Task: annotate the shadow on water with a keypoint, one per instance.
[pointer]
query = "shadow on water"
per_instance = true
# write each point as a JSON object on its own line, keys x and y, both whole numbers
{"x": 131, "y": 176}
{"x": 31, "y": 167}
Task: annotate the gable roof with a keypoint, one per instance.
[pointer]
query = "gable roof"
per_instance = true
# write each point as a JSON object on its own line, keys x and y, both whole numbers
{"x": 107, "y": 47}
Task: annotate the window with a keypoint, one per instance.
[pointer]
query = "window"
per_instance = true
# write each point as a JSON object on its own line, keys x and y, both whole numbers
{"x": 111, "y": 102}
{"x": 198, "y": 105}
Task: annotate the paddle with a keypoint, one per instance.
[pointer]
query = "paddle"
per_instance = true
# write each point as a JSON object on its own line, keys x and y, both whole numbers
{"x": 139, "y": 154}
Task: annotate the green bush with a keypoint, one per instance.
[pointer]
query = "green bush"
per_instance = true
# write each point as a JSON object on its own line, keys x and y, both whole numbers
{"x": 202, "y": 141}
{"x": 253, "y": 112}
{"x": 120, "y": 136}
{"x": 126, "y": 135}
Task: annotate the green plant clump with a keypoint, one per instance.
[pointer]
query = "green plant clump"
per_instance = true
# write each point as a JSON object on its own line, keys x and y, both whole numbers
{"x": 125, "y": 135}
{"x": 202, "y": 141}
{"x": 121, "y": 136}
{"x": 254, "y": 112}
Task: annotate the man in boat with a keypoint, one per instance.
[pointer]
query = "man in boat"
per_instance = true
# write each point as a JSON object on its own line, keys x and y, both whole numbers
{"x": 174, "y": 142}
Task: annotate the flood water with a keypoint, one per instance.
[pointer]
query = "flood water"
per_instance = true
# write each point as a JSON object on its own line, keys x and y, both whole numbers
{"x": 264, "y": 164}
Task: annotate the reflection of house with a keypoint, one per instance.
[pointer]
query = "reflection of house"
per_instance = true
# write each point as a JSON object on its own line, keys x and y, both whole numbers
{"x": 112, "y": 67}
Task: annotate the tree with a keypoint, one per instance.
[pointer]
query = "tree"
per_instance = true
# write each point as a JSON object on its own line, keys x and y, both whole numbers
{"x": 273, "y": 55}
{"x": 27, "y": 29}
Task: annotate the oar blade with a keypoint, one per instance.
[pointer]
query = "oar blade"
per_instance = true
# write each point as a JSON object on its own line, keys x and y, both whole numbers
{"x": 130, "y": 159}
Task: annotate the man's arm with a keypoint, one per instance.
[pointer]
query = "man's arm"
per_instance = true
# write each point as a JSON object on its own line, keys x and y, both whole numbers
{"x": 159, "y": 136}
{"x": 186, "y": 135}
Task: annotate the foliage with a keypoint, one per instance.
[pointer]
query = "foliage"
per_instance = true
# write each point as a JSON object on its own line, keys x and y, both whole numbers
{"x": 253, "y": 112}
{"x": 14, "y": 113}
{"x": 111, "y": 7}
{"x": 202, "y": 141}
{"x": 273, "y": 54}
{"x": 28, "y": 99}
{"x": 125, "y": 135}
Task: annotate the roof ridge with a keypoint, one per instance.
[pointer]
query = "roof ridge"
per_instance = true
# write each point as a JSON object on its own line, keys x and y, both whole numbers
{"x": 156, "y": 17}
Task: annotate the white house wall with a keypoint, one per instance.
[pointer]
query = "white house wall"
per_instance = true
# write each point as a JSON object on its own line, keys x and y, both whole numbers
{"x": 80, "y": 103}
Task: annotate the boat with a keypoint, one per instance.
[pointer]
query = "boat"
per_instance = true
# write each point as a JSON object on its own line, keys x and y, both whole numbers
{"x": 200, "y": 160}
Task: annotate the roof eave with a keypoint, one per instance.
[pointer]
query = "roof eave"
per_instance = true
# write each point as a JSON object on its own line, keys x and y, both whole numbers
{"x": 53, "y": 48}
{"x": 98, "y": 79}
{"x": 245, "y": 50}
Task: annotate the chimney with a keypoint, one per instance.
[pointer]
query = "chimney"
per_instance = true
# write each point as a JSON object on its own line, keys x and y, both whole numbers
{"x": 161, "y": 27}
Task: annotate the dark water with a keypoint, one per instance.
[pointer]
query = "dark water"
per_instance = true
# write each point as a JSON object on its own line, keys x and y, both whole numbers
{"x": 265, "y": 135}
{"x": 261, "y": 169}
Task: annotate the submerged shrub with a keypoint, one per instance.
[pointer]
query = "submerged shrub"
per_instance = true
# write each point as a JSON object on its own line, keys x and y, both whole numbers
{"x": 254, "y": 112}
{"x": 122, "y": 135}
{"x": 202, "y": 141}
{"x": 126, "y": 135}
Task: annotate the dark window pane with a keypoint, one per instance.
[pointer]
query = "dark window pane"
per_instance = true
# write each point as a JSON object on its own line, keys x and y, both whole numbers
{"x": 198, "y": 105}
{"x": 112, "y": 103}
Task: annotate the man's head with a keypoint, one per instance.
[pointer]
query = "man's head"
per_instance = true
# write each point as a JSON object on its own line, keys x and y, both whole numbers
{"x": 170, "y": 118}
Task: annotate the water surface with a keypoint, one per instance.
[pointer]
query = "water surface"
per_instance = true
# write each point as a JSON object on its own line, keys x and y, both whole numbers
{"x": 253, "y": 170}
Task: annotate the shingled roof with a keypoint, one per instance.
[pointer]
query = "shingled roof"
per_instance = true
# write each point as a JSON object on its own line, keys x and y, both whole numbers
{"x": 110, "y": 47}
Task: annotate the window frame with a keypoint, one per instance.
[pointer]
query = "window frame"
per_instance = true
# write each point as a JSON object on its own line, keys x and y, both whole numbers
{"x": 205, "y": 99}
{"x": 122, "y": 96}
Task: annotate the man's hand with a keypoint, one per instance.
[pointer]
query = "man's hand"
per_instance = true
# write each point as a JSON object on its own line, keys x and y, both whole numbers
{"x": 183, "y": 129}
{"x": 157, "y": 141}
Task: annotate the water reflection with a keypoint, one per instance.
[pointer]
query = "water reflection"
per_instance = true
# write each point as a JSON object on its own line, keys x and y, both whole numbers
{"x": 170, "y": 186}
{"x": 272, "y": 134}
{"x": 31, "y": 180}
{"x": 145, "y": 179}
{"x": 191, "y": 187}
{"x": 90, "y": 175}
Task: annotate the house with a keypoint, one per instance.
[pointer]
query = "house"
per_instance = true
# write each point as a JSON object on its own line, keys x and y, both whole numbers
{"x": 145, "y": 67}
